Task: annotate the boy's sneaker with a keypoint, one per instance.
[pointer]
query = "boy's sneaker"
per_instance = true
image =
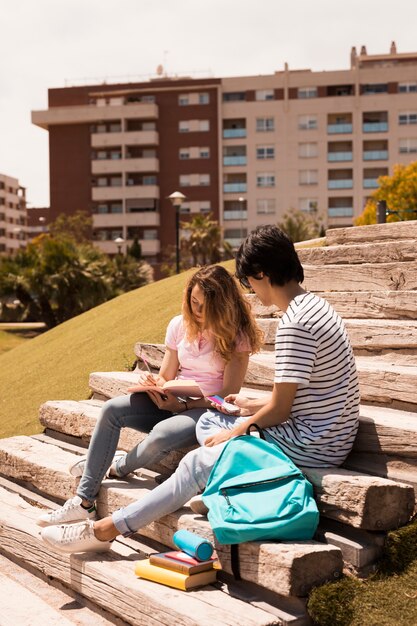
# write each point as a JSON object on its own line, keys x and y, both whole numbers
{"x": 74, "y": 538}
{"x": 197, "y": 505}
{"x": 77, "y": 469}
{"x": 71, "y": 511}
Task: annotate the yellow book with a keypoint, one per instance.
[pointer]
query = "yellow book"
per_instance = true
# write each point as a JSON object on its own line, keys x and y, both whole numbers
{"x": 145, "y": 569}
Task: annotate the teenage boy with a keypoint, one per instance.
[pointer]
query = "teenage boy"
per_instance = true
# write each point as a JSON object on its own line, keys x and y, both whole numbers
{"x": 312, "y": 412}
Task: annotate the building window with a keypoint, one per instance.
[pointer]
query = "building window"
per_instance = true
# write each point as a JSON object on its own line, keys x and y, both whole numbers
{"x": 204, "y": 180}
{"x": 150, "y": 234}
{"x": 307, "y": 122}
{"x": 234, "y": 96}
{"x": 307, "y": 204}
{"x": 407, "y": 88}
{"x": 183, "y": 100}
{"x": 204, "y": 125}
{"x": 149, "y": 180}
{"x": 265, "y": 180}
{"x": 184, "y": 153}
{"x": 371, "y": 90}
{"x": 204, "y": 153}
{"x": 265, "y": 152}
{"x": 264, "y": 124}
{"x": 185, "y": 180}
{"x": 307, "y": 150}
{"x": 264, "y": 94}
{"x": 265, "y": 206}
{"x": 308, "y": 177}
{"x": 408, "y": 146}
{"x": 203, "y": 98}
{"x": 184, "y": 126}
{"x": 307, "y": 92}
{"x": 407, "y": 118}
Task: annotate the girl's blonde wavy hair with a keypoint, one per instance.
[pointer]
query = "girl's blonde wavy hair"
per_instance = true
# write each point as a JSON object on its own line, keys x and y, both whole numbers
{"x": 227, "y": 313}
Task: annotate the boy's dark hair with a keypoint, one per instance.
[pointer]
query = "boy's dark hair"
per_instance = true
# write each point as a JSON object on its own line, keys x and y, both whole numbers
{"x": 269, "y": 250}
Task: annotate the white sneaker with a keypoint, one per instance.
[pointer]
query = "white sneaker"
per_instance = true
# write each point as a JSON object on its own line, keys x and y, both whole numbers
{"x": 77, "y": 469}
{"x": 74, "y": 538}
{"x": 71, "y": 511}
{"x": 197, "y": 505}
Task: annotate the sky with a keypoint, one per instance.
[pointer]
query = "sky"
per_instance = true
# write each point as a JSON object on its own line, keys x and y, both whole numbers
{"x": 58, "y": 43}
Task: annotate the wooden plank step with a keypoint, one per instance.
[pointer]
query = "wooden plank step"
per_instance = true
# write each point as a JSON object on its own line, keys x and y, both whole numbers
{"x": 341, "y": 494}
{"x": 386, "y": 304}
{"x": 364, "y": 277}
{"x": 109, "y": 578}
{"x": 28, "y": 599}
{"x": 393, "y": 231}
{"x": 372, "y": 252}
{"x": 363, "y": 334}
{"x": 297, "y": 566}
{"x": 381, "y": 430}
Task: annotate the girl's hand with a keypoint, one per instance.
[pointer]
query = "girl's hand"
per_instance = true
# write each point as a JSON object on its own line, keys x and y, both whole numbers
{"x": 243, "y": 403}
{"x": 220, "y": 437}
{"x": 150, "y": 380}
{"x": 167, "y": 402}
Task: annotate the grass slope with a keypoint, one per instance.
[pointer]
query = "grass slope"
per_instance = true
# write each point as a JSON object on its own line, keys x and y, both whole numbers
{"x": 56, "y": 365}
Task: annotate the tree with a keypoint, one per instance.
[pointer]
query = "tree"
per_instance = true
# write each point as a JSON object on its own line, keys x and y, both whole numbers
{"x": 399, "y": 192}
{"x": 301, "y": 226}
{"x": 79, "y": 226}
{"x": 203, "y": 241}
{"x": 135, "y": 250}
{"x": 56, "y": 278}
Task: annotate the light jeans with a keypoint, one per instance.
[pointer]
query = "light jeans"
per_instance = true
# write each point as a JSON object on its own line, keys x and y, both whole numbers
{"x": 188, "y": 480}
{"x": 166, "y": 432}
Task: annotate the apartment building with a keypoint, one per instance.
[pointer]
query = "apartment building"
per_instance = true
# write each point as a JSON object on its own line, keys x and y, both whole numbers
{"x": 12, "y": 214}
{"x": 247, "y": 149}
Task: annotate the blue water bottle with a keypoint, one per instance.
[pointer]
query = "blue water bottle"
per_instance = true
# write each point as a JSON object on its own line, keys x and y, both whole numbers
{"x": 194, "y": 545}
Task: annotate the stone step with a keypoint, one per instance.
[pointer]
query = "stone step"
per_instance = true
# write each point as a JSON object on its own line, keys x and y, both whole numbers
{"x": 298, "y": 565}
{"x": 110, "y": 579}
{"x": 364, "y": 277}
{"x": 28, "y": 599}
{"x": 379, "y": 252}
{"x": 381, "y": 430}
{"x": 393, "y": 231}
{"x": 364, "y": 334}
{"x": 348, "y": 497}
{"x": 367, "y": 305}
{"x": 392, "y": 378}
{"x": 396, "y": 468}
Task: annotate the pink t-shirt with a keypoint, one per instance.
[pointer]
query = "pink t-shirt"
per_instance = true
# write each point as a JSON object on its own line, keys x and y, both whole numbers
{"x": 197, "y": 359}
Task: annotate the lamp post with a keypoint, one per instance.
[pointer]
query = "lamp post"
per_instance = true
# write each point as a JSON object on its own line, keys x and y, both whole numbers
{"x": 119, "y": 241}
{"x": 241, "y": 201}
{"x": 177, "y": 198}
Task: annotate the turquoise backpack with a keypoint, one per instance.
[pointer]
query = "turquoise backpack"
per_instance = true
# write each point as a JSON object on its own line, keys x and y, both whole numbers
{"x": 256, "y": 493}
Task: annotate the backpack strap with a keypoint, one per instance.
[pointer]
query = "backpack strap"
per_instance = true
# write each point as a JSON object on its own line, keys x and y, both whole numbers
{"x": 235, "y": 561}
{"x": 260, "y": 431}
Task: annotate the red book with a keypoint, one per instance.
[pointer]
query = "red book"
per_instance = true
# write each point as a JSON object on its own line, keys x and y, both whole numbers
{"x": 181, "y": 562}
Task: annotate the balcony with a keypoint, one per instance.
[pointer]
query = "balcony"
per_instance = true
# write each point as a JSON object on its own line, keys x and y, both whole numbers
{"x": 335, "y": 129}
{"x": 114, "y": 220}
{"x": 346, "y": 183}
{"x": 235, "y": 215}
{"x": 234, "y": 160}
{"x": 113, "y": 166}
{"x": 149, "y": 246}
{"x": 132, "y": 138}
{"x": 234, "y": 133}
{"x": 234, "y": 187}
{"x": 121, "y": 193}
{"x": 370, "y": 183}
{"x": 375, "y": 155}
{"x": 340, "y": 211}
{"x": 339, "y": 156}
{"x": 90, "y": 113}
{"x": 375, "y": 127}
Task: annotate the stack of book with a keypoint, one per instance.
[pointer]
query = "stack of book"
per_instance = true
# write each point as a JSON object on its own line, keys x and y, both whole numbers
{"x": 177, "y": 569}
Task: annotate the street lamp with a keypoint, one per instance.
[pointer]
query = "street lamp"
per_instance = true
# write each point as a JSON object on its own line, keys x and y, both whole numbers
{"x": 177, "y": 198}
{"x": 241, "y": 201}
{"x": 119, "y": 241}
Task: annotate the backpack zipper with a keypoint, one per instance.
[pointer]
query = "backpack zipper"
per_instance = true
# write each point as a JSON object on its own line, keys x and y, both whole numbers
{"x": 223, "y": 491}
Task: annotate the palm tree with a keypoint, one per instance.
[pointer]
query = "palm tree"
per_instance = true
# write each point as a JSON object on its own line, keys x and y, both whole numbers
{"x": 203, "y": 241}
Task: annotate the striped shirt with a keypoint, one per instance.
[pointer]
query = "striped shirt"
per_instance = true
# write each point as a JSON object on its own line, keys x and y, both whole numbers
{"x": 312, "y": 349}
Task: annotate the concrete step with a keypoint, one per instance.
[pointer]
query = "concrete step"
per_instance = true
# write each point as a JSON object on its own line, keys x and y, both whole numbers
{"x": 349, "y": 497}
{"x": 363, "y": 277}
{"x": 394, "y": 231}
{"x": 371, "y": 252}
{"x": 364, "y": 334}
{"x": 28, "y": 599}
{"x": 110, "y": 579}
{"x": 287, "y": 568}
{"x": 367, "y": 305}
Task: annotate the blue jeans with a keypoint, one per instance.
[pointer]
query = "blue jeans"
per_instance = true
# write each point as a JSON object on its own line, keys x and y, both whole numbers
{"x": 166, "y": 432}
{"x": 188, "y": 480}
